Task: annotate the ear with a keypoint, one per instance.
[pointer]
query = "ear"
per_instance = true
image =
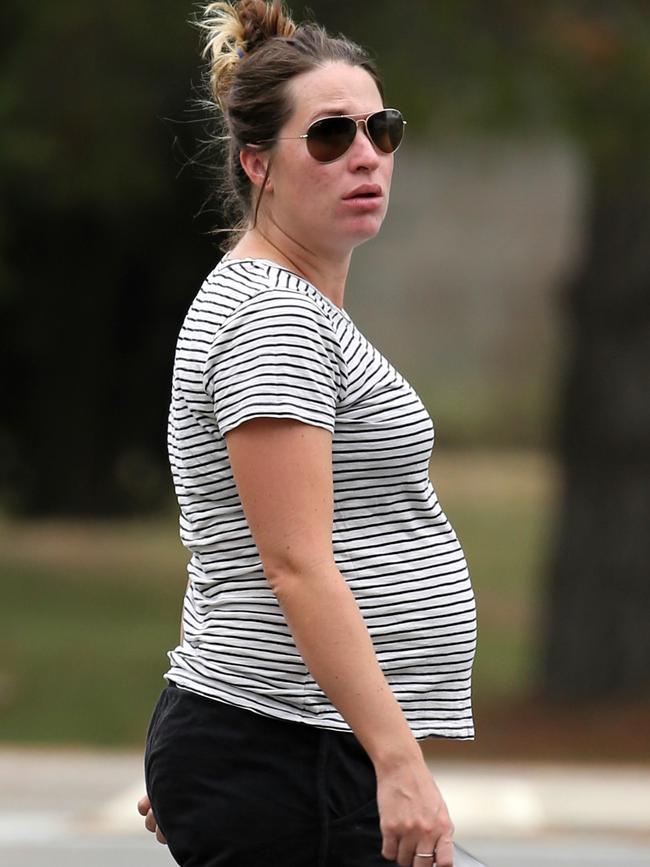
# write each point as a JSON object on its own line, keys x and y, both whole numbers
{"x": 255, "y": 164}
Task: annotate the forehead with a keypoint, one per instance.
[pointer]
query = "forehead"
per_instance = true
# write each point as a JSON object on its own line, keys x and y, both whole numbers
{"x": 336, "y": 88}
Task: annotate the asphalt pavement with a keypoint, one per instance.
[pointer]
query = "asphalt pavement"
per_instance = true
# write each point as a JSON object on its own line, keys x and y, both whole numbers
{"x": 77, "y": 808}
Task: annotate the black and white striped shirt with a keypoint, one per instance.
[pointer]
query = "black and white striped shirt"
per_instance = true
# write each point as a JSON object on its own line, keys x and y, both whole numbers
{"x": 260, "y": 341}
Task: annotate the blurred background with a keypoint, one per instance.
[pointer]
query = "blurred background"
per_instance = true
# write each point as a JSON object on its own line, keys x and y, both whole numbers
{"x": 510, "y": 284}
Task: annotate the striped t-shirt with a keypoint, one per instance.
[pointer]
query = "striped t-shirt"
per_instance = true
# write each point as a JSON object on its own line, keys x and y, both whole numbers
{"x": 260, "y": 341}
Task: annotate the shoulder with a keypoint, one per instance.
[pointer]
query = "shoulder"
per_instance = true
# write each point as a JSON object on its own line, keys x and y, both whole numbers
{"x": 280, "y": 333}
{"x": 265, "y": 293}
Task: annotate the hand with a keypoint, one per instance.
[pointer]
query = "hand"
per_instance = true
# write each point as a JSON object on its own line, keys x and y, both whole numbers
{"x": 413, "y": 817}
{"x": 144, "y": 808}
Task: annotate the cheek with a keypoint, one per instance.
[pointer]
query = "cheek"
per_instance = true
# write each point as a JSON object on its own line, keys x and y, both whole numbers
{"x": 321, "y": 178}
{"x": 388, "y": 171}
{"x": 315, "y": 187}
{"x": 305, "y": 181}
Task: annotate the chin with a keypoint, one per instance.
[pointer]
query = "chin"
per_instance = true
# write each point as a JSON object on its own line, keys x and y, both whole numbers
{"x": 365, "y": 233}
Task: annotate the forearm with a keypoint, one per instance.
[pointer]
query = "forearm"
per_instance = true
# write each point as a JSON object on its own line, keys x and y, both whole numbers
{"x": 333, "y": 640}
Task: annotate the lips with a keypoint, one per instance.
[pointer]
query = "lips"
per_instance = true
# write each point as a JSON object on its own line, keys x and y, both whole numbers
{"x": 365, "y": 191}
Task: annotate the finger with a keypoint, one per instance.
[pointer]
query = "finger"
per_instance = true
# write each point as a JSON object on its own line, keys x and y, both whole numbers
{"x": 424, "y": 855}
{"x": 444, "y": 852}
{"x": 160, "y": 837}
{"x": 150, "y": 822}
{"x": 389, "y": 846}
{"x": 406, "y": 853}
{"x": 144, "y": 805}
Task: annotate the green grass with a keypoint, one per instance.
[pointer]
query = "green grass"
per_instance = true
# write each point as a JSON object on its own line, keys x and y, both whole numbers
{"x": 82, "y": 654}
{"x": 90, "y": 609}
{"x": 88, "y": 613}
{"x": 500, "y": 505}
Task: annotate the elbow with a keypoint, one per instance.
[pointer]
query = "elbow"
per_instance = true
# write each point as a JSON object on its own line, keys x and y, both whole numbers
{"x": 287, "y": 575}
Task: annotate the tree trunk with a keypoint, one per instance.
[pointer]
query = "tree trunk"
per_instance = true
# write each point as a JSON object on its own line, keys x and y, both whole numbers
{"x": 596, "y": 629}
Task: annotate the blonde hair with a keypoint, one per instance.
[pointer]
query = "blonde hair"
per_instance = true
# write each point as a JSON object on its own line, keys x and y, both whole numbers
{"x": 233, "y": 31}
{"x": 254, "y": 49}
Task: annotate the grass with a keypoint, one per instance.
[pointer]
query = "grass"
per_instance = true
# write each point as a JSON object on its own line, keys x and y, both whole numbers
{"x": 500, "y": 505}
{"x": 88, "y": 612}
{"x": 90, "y": 608}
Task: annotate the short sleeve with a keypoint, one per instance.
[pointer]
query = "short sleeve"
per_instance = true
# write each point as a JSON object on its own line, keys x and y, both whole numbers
{"x": 276, "y": 355}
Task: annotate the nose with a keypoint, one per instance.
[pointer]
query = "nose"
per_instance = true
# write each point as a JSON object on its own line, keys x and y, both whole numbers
{"x": 362, "y": 151}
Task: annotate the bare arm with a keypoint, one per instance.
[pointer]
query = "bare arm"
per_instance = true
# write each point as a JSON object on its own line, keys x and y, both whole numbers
{"x": 283, "y": 473}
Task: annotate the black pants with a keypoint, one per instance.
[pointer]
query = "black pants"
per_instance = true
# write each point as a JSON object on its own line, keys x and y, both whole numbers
{"x": 232, "y": 788}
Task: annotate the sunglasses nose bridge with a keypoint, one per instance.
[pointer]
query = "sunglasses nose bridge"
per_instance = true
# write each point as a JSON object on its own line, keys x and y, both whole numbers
{"x": 362, "y": 120}
{"x": 358, "y": 121}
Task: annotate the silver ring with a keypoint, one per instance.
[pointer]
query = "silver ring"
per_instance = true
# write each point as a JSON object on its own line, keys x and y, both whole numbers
{"x": 424, "y": 854}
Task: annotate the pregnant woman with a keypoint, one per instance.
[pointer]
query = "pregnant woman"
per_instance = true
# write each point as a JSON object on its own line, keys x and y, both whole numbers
{"x": 329, "y": 623}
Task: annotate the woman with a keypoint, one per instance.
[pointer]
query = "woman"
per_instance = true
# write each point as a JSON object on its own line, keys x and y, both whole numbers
{"x": 329, "y": 621}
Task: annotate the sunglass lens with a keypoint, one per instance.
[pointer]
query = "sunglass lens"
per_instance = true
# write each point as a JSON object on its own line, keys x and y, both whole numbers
{"x": 386, "y": 128}
{"x": 329, "y": 138}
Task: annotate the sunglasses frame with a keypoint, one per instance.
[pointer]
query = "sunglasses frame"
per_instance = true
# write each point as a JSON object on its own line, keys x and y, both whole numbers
{"x": 357, "y": 119}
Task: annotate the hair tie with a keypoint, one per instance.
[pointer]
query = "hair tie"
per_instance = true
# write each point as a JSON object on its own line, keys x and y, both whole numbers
{"x": 240, "y": 52}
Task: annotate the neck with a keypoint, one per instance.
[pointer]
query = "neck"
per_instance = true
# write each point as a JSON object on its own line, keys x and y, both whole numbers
{"x": 327, "y": 271}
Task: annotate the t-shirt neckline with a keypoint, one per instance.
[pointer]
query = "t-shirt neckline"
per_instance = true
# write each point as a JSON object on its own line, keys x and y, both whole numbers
{"x": 229, "y": 261}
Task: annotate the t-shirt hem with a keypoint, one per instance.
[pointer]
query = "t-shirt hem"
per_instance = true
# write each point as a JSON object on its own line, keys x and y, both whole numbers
{"x": 275, "y": 713}
{"x": 231, "y": 424}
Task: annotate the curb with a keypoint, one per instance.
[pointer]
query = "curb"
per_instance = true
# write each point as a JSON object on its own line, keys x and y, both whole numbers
{"x": 498, "y": 799}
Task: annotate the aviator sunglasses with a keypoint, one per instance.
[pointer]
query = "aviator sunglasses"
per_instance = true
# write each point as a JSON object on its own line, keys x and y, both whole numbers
{"x": 330, "y": 137}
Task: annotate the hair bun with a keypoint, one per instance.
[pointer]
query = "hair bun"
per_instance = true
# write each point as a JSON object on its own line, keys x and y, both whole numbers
{"x": 262, "y": 21}
{"x": 235, "y": 30}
